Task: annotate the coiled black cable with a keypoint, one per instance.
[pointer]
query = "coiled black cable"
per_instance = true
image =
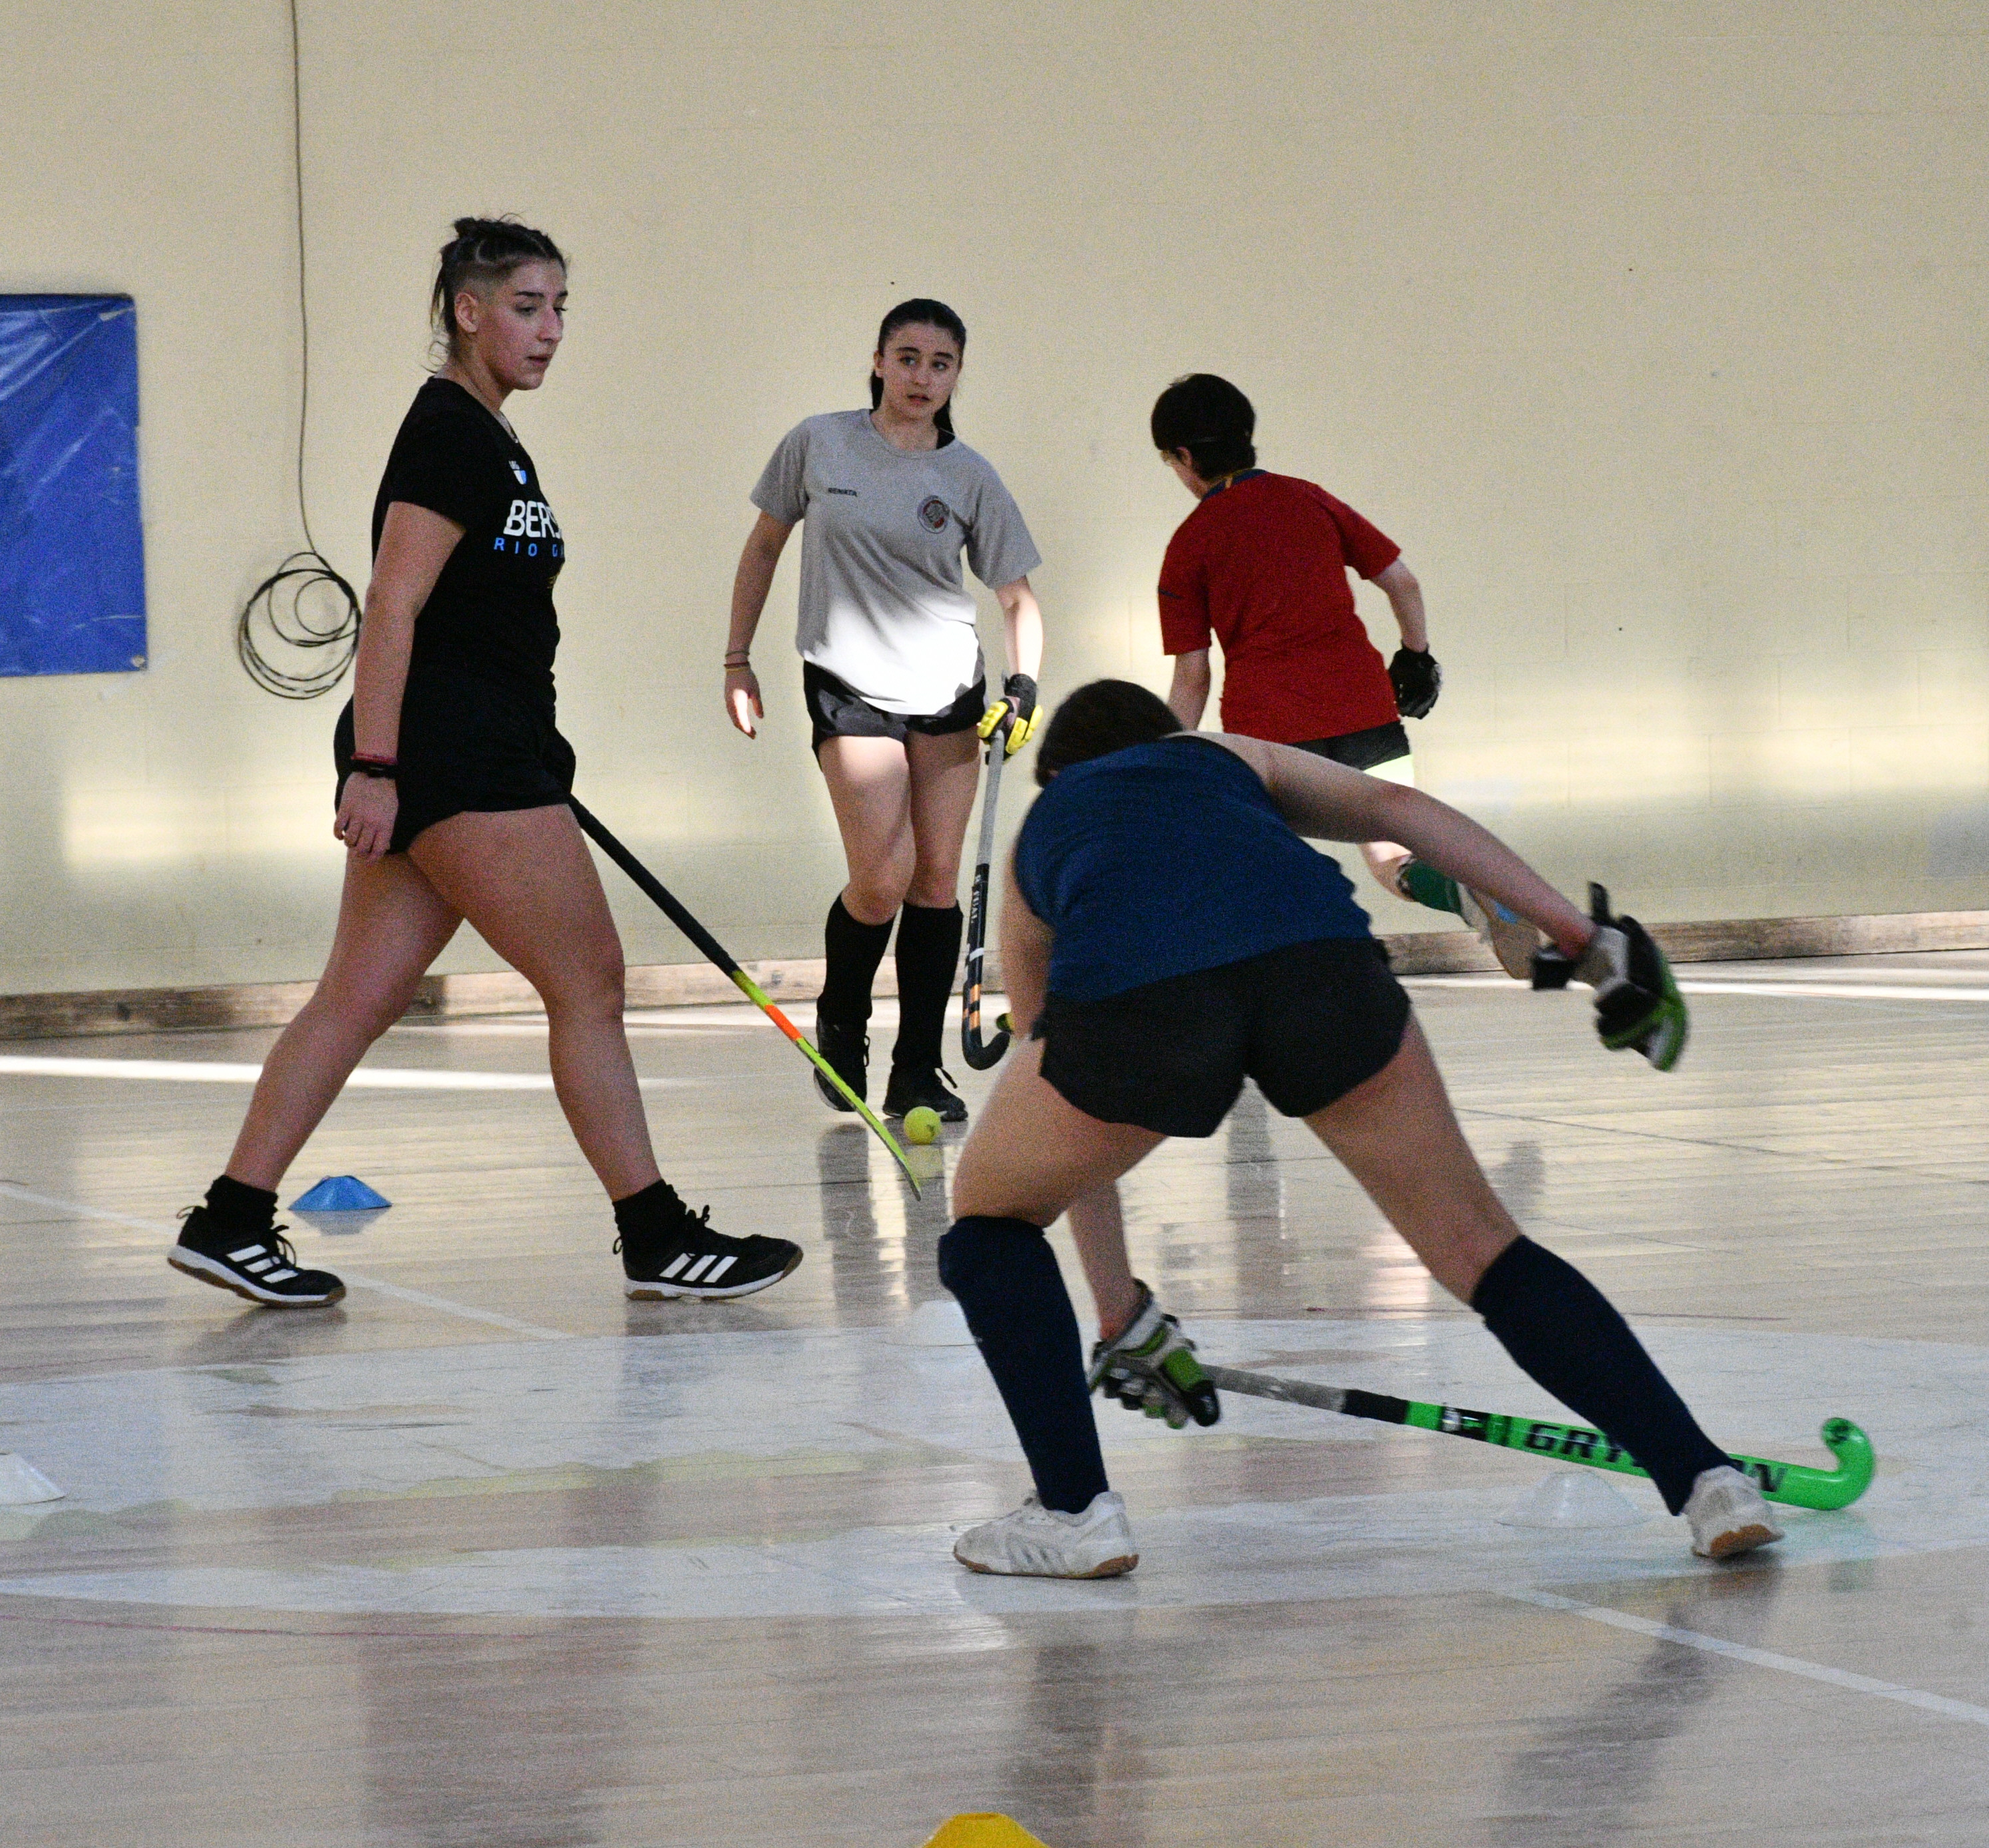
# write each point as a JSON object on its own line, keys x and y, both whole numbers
{"x": 283, "y": 604}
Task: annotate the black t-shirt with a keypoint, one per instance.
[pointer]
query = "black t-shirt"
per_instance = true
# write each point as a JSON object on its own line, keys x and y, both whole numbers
{"x": 491, "y": 611}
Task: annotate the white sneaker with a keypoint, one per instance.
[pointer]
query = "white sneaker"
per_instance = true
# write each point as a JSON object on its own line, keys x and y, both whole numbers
{"x": 1728, "y": 1515}
{"x": 1510, "y": 938}
{"x": 1037, "y": 1542}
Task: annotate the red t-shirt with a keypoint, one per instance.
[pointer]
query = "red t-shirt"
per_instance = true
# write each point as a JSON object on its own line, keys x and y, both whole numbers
{"x": 1262, "y": 565}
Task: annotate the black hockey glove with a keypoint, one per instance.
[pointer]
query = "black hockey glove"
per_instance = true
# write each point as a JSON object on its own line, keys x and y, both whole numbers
{"x": 1417, "y": 680}
{"x": 1637, "y": 1002}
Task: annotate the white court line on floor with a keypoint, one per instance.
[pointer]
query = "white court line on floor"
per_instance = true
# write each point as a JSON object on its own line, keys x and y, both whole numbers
{"x": 1760, "y": 1658}
{"x": 1778, "y": 990}
{"x": 366, "y": 1077}
{"x": 442, "y": 1304}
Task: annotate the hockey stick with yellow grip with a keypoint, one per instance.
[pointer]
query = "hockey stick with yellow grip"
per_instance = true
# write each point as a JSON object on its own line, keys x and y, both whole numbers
{"x": 654, "y": 889}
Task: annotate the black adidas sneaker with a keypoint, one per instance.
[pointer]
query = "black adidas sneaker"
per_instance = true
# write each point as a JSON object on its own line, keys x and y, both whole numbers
{"x": 913, "y": 1085}
{"x": 689, "y": 1258}
{"x": 260, "y": 1266}
{"x": 848, "y": 1049}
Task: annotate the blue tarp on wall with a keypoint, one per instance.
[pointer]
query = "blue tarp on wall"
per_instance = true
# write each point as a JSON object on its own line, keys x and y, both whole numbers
{"x": 72, "y": 553}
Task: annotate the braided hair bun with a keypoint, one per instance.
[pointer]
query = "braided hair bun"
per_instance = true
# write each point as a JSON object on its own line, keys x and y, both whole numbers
{"x": 483, "y": 253}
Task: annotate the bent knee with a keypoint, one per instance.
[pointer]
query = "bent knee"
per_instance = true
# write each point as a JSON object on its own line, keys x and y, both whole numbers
{"x": 935, "y": 888}
{"x": 875, "y": 899}
{"x": 975, "y": 1241}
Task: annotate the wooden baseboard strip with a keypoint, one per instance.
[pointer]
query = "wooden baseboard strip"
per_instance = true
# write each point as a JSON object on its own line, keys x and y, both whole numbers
{"x": 65, "y": 1016}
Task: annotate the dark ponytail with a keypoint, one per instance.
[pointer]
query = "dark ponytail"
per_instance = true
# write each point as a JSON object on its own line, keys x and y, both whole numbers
{"x": 483, "y": 251}
{"x": 920, "y": 311}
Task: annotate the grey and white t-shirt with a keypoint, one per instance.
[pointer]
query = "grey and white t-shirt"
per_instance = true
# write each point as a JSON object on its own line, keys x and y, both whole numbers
{"x": 882, "y": 604}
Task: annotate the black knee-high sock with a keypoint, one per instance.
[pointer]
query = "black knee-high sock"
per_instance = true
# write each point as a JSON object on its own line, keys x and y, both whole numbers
{"x": 928, "y": 958}
{"x": 1006, "y": 1277}
{"x": 853, "y": 951}
{"x": 1562, "y": 1330}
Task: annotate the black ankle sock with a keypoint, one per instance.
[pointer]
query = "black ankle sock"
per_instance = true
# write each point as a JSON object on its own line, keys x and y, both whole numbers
{"x": 236, "y": 1208}
{"x": 854, "y": 950}
{"x": 1006, "y": 1277}
{"x": 1562, "y": 1330}
{"x": 650, "y": 1214}
{"x": 928, "y": 959}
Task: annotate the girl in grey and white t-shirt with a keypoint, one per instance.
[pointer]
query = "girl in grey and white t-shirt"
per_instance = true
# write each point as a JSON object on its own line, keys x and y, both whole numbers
{"x": 892, "y": 671}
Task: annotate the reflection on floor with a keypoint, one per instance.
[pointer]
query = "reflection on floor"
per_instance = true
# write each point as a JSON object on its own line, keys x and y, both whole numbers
{"x": 488, "y": 1555}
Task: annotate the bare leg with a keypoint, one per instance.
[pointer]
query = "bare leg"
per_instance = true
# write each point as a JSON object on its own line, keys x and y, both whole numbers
{"x": 869, "y": 785}
{"x": 1035, "y": 1156}
{"x": 1397, "y": 1136}
{"x": 945, "y": 772}
{"x": 391, "y": 925}
{"x": 524, "y": 879}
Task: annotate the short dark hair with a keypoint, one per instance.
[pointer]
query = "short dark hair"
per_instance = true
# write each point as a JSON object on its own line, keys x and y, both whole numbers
{"x": 1103, "y": 716}
{"x": 483, "y": 251}
{"x": 1210, "y": 418}
{"x": 920, "y": 311}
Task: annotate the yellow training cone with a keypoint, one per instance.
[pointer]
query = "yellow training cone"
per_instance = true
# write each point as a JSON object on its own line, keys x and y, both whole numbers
{"x": 983, "y": 1832}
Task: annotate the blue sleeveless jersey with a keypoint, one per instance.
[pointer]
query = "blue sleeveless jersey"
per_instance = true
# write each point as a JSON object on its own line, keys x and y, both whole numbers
{"x": 1165, "y": 858}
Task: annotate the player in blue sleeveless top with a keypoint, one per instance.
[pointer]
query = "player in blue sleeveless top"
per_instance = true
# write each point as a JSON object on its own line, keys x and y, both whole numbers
{"x": 1168, "y": 933}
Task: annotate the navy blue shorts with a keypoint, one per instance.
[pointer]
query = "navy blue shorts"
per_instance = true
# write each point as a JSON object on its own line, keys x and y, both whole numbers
{"x": 1308, "y": 1022}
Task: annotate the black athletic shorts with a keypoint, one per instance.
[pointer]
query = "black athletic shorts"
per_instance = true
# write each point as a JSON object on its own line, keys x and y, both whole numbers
{"x": 468, "y": 746}
{"x": 1362, "y": 750}
{"x": 1308, "y": 1022}
{"x": 837, "y": 712}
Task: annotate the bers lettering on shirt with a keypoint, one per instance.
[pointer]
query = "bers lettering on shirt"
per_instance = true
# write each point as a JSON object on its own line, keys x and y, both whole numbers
{"x": 529, "y": 523}
{"x": 490, "y": 613}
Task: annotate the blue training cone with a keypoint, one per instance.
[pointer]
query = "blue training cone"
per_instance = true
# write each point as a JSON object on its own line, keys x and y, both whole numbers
{"x": 339, "y": 1193}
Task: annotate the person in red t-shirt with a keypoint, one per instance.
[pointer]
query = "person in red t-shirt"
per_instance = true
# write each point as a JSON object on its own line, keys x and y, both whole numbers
{"x": 1261, "y": 566}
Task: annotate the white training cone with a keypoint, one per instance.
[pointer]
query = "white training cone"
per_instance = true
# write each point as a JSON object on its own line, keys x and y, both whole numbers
{"x": 1573, "y": 1498}
{"x": 939, "y": 1324}
{"x": 21, "y": 1482}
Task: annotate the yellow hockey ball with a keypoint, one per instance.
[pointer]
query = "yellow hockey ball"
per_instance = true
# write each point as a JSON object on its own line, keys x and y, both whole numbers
{"x": 922, "y": 1124}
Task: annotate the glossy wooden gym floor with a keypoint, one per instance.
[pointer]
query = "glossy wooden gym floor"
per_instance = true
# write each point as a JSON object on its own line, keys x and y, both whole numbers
{"x": 487, "y": 1555}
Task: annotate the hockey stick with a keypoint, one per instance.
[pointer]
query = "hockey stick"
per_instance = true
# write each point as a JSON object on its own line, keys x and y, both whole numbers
{"x": 1799, "y": 1485}
{"x": 979, "y": 1053}
{"x": 653, "y": 889}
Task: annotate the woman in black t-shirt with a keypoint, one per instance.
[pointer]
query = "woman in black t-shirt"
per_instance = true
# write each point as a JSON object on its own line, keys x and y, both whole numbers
{"x": 453, "y": 784}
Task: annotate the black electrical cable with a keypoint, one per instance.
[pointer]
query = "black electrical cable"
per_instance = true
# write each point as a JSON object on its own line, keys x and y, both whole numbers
{"x": 303, "y": 603}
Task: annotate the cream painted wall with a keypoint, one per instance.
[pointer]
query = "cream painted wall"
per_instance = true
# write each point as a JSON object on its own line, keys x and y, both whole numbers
{"x": 1653, "y": 331}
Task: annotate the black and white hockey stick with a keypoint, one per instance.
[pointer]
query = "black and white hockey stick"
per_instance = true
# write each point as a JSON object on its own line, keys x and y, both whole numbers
{"x": 977, "y": 1052}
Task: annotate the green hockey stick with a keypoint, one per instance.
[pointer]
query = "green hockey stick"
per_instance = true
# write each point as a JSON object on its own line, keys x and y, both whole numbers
{"x": 1797, "y": 1484}
{"x": 654, "y": 889}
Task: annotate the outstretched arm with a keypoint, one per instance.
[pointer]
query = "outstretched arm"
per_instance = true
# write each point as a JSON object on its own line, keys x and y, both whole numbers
{"x": 1328, "y": 801}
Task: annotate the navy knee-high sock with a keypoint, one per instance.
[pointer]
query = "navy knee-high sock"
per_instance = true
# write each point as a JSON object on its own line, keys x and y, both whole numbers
{"x": 854, "y": 950}
{"x": 928, "y": 959}
{"x": 1006, "y": 1277}
{"x": 1562, "y": 1330}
